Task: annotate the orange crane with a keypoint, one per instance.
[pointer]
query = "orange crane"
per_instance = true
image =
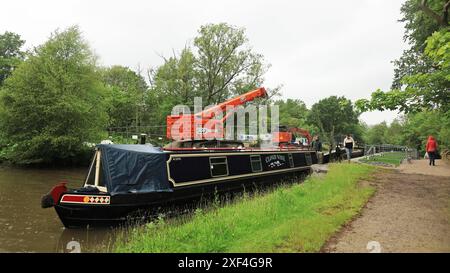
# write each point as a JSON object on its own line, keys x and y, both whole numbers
{"x": 285, "y": 135}
{"x": 203, "y": 125}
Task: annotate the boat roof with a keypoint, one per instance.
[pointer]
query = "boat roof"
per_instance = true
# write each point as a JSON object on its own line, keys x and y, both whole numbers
{"x": 149, "y": 149}
{"x": 141, "y": 148}
{"x": 129, "y": 168}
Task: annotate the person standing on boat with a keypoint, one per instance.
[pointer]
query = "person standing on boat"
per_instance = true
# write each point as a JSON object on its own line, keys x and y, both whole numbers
{"x": 317, "y": 145}
{"x": 313, "y": 143}
{"x": 431, "y": 149}
{"x": 349, "y": 143}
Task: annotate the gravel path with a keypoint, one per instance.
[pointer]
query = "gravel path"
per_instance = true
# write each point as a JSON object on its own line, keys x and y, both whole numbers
{"x": 409, "y": 213}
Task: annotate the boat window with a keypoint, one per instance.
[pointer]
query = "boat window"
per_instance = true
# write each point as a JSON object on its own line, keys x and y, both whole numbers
{"x": 218, "y": 166}
{"x": 291, "y": 161}
{"x": 308, "y": 159}
{"x": 255, "y": 161}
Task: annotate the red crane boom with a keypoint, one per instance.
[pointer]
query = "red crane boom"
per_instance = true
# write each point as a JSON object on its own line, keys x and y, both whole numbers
{"x": 202, "y": 125}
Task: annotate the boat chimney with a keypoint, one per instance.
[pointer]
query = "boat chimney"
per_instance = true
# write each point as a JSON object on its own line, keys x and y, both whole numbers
{"x": 142, "y": 138}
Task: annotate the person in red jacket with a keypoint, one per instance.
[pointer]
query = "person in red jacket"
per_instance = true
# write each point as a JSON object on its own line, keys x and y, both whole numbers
{"x": 431, "y": 149}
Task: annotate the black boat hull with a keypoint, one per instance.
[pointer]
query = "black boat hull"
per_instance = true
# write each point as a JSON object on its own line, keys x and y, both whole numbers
{"x": 327, "y": 158}
{"x": 134, "y": 207}
{"x": 190, "y": 176}
{"x": 131, "y": 192}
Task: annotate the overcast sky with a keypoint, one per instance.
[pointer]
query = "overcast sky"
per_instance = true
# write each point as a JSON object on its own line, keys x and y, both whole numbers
{"x": 316, "y": 48}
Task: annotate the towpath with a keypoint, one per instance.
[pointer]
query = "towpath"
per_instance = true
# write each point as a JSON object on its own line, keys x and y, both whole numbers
{"x": 410, "y": 212}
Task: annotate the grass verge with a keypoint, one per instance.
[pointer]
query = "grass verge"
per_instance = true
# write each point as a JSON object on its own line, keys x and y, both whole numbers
{"x": 295, "y": 218}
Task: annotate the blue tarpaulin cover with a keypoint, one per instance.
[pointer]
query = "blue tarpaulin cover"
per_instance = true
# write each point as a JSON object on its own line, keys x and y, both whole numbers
{"x": 134, "y": 168}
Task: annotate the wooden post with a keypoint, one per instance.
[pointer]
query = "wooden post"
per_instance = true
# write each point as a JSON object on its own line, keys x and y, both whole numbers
{"x": 97, "y": 168}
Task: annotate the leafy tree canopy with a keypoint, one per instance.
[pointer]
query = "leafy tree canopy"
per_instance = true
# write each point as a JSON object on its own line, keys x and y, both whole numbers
{"x": 53, "y": 102}
{"x": 423, "y": 90}
{"x": 421, "y": 78}
{"x": 383, "y": 133}
{"x": 226, "y": 64}
{"x": 335, "y": 117}
{"x": 418, "y": 126}
{"x": 10, "y": 54}
{"x": 125, "y": 97}
{"x": 220, "y": 64}
{"x": 293, "y": 113}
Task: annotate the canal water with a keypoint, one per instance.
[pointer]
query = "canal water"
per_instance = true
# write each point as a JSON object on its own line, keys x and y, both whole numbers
{"x": 26, "y": 227}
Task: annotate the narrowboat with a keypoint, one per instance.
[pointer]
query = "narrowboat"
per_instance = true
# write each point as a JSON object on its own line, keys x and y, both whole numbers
{"x": 332, "y": 156}
{"x": 124, "y": 180}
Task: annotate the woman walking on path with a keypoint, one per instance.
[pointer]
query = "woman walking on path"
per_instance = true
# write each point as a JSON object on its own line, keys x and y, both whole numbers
{"x": 431, "y": 149}
{"x": 349, "y": 143}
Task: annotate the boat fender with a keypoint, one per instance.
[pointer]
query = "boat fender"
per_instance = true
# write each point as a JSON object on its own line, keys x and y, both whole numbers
{"x": 51, "y": 198}
{"x": 47, "y": 201}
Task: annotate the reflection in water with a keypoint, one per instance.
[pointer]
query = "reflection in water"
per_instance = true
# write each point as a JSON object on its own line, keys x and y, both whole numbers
{"x": 26, "y": 227}
{"x": 85, "y": 240}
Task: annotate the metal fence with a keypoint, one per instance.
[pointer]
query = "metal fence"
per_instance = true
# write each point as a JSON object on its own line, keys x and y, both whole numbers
{"x": 127, "y": 132}
{"x": 410, "y": 153}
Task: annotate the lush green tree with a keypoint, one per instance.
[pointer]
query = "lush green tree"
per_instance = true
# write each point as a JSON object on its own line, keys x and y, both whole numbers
{"x": 428, "y": 90}
{"x": 376, "y": 134}
{"x": 394, "y": 132}
{"x": 52, "y": 104}
{"x": 335, "y": 117}
{"x": 293, "y": 113}
{"x": 418, "y": 126}
{"x": 383, "y": 133}
{"x": 10, "y": 54}
{"x": 177, "y": 79}
{"x": 125, "y": 100}
{"x": 412, "y": 130}
{"x": 225, "y": 64}
{"x": 421, "y": 75}
{"x": 173, "y": 83}
{"x": 220, "y": 64}
{"x": 421, "y": 19}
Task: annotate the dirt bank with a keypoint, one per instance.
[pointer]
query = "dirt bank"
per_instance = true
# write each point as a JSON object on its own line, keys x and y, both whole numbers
{"x": 409, "y": 213}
